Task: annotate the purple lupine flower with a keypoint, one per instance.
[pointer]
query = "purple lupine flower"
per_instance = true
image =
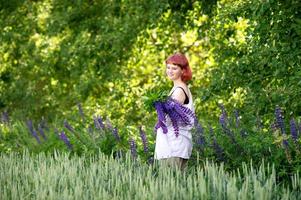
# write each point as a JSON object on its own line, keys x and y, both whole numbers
{"x": 159, "y": 109}
{"x": 274, "y": 127}
{"x": 161, "y": 117}
{"x": 174, "y": 118}
{"x": 68, "y": 126}
{"x": 144, "y": 140}
{"x": 178, "y": 114}
{"x": 81, "y": 112}
{"x": 285, "y": 143}
{"x": 115, "y": 134}
{"x": 65, "y": 139}
{"x": 41, "y": 131}
{"x": 294, "y": 131}
{"x": 200, "y": 136}
{"x": 133, "y": 148}
{"x": 279, "y": 119}
{"x": 223, "y": 122}
{"x": 216, "y": 147}
{"x": 32, "y": 131}
{"x": 98, "y": 122}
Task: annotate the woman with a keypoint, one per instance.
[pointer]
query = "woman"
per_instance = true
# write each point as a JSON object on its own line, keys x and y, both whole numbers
{"x": 172, "y": 149}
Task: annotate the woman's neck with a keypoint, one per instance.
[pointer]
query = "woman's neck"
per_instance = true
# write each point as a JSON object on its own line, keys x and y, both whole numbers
{"x": 178, "y": 82}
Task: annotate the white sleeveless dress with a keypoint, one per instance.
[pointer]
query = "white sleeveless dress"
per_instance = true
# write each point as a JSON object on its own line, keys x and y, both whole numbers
{"x": 168, "y": 145}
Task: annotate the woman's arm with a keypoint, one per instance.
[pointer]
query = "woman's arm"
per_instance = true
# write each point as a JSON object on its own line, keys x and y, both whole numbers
{"x": 179, "y": 95}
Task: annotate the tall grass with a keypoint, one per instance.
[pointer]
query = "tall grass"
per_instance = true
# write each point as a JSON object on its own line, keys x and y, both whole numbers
{"x": 61, "y": 176}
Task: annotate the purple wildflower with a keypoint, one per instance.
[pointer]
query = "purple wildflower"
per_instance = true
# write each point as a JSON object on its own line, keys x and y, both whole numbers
{"x": 279, "y": 119}
{"x": 41, "y": 131}
{"x": 161, "y": 117}
{"x": 68, "y": 126}
{"x": 115, "y": 133}
{"x": 65, "y": 139}
{"x": 294, "y": 131}
{"x": 133, "y": 148}
{"x": 32, "y": 131}
{"x": 274, "y": 127}
{"x": 224, "y": 122}
{"x": 178, "y": 114}
{"x": 144, "y": 140}
{"x": 285, "y": 143}
{"x": 218, "y": 149}
{"x": 98, "y": 122}
{"x": 200, "y": 136}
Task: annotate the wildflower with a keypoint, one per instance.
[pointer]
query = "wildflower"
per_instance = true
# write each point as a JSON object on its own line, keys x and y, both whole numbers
{"x": 115, "y": 133}
{"x": 42, "y": 132}
{"x": 285, "y": 143}
{"x": 133, "y": 148}
{"x": 294, "y": 131}
{"x": 223, "y": 122}
{"x": 279, "y": 119}
{"x": 200, "y": 136}
{"x": 218, "y": 149}
{"x": 32, "y": 131}
{"x": 177, "y": 114}
{"x": 144, "y": 140}
{"x": 98, "y": 122}
{"x": 68, "y": 126}
{"x": 65, "y": 140}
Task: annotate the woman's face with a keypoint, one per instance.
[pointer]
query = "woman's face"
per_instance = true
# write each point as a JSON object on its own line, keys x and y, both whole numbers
{"x": 174, "y": 72}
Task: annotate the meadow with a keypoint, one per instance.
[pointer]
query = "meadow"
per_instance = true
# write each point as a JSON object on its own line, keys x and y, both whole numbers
{"x": 62, "y": 176}
{"x": 74, "y": 74}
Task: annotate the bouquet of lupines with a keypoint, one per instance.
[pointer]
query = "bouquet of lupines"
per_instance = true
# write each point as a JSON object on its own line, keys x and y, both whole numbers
{"x": 168, "y": 107}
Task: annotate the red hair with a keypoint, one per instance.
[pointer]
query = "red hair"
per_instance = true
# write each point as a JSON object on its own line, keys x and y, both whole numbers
{"x": 180, "y": 60}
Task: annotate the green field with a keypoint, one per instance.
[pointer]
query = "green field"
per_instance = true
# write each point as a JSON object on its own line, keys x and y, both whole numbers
{"x": 61, "y": 176}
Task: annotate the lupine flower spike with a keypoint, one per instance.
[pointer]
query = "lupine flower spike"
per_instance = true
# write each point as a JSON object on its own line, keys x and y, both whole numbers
{"x": 133, "y": 148}
{"x": 176, "y": 113}
{"x": 32, "y": 131}
{"x": 115, "y": 133}
{"x": 144, "y": 140}
{"x": 65, "y": 139}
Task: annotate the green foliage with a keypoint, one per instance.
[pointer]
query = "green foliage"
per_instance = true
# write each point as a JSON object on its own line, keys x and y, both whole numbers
{"x": 59, "y": 175}
{"x": 153, "y": 95}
